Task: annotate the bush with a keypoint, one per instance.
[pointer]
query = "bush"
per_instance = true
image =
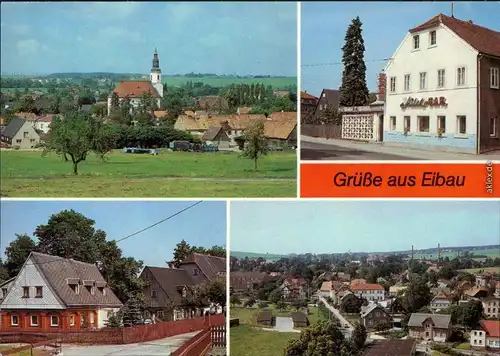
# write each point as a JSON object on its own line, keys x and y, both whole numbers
{"x": 263, "y": 305}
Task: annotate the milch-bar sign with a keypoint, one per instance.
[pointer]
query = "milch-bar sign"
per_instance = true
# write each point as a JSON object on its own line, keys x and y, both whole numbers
{"x": 430, "y": 102}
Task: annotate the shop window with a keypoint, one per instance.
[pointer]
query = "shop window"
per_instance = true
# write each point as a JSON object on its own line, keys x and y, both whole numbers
{"x": 423, "y": 124}
{"x": 441, "y": 120}
{"x": 393, "y": 123}
{"x": 407, "y": 123}
{"x": 461, "y": 124}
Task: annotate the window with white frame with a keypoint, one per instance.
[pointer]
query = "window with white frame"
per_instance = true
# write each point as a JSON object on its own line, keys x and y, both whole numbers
{"x": 33, "y": 320}
{"x": 423, "y": 80}
{"x": 416, "y": 42}
{"x": 441, "y": 121}
{"x": 461, "y": 76}
{"x": 461, "y": 124}
{"x": 423, "y": 123}
{"x": 407, "y": 82}
{"x": 14, "y": 320}
{"x": 393, "y": 123}
{"x": 393, "y": 84}
{"x": 407, "y": 121}
{"x": 54, "y": 320}
{"x": 493, "y": 131}
{"x": 441, "y": 78}
{"x": 72, "y": 320}
{"x": 494, "y": 78}
{"x": 432, "y": 38}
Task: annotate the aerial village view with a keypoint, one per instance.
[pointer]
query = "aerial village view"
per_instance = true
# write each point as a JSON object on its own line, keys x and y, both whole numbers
{"x": 375, "y": 278}
{"x": 73, "y": 282}
{"x": 91, "y": 107}
{"x": 424, "y": 87}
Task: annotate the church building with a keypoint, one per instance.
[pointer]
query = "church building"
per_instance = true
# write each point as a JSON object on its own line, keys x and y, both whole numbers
{"x": 135, "y": 89}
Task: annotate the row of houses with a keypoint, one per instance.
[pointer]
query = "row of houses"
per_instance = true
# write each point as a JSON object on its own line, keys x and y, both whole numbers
{"x": 440, "y": 90}
{"x": 54, "y": 294}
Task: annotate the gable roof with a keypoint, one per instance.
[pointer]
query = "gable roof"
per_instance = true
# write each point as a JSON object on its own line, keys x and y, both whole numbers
{"x": 299, "y": 317}
{"x": 492, "y": 327}
{"x": 29, "y": 116}
{"x": 283, "y": 116}
{"x": 240, "y": 280}
{"x": 135, "y": 89}
{"x": 306, "y": 95}
{"x": 332, "y": 96}
{"x": 368, "y": 309}
{"x": 57, "y": 271}
{"x": 211, "y": 133}
{"x": 482, "y": 39}
{"x": 210, "y": 266}
{"x": 170, "y": 279}
{"x": 326, "y": 286}
{"x": 366, "y": 286}
{"x": 441, "y": 321}
{"x": 279, "y": 129}
{"x": 13, "y": 127}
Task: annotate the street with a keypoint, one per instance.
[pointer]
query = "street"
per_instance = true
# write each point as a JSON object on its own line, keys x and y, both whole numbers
{"x": 319, "y": 151}
{"x": 347, "y": 331}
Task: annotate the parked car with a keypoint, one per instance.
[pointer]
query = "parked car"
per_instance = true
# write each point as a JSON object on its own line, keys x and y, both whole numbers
{"x": 180, "y": 146}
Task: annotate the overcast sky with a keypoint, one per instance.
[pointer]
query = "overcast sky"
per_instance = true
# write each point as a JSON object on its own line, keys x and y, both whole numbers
{"x": 222, "y": 38}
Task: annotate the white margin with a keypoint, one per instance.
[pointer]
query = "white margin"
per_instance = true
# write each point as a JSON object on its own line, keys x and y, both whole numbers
{"x": 299, "y": 88}
{"x": 228, "y": 274}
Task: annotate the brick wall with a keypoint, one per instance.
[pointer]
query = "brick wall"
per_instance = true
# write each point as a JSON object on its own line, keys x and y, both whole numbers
{"x": 381, "y": 86}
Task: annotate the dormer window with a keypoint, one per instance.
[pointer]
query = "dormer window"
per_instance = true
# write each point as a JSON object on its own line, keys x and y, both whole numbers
{"x": 26, "y": 292}
{"x": 102, "y": 290}
{"x": 39, "y": 292}
{"x": 416, "y": 42}
{"x": 432, "y": 38}
{"x": 4, "y": 292}
{"x": 154, "y": 294}
{"x": 195, "y": 272}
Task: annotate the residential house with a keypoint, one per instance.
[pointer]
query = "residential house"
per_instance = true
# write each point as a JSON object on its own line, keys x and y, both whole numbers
{"x": 373, "y": 316}
{"x": 167, "y": 286}
{"x": 51, "y": 293}
{"x": 299, "y": 319}
{"x": 430, "y": 327}
{"x": 358, "y": 281}
{"x": 443, "y": 88}
{"x": 497, "y": 289}
{"x": 240, "y": 282}
{"x": 217, "y": 136}
{"x": 328, "y": 98}
{"x": 443, "y": 283}
{"x": 43, "y": 123}
{"x": 369, "y": 291}
{"x": 463, "y": 286}
{"x": 437, "y": 290}
{"x": 5, "y": 287}
{"x": 482, "y": 280}
{"x": 308, "y": 104}
{"x": 28, "y": 116}
{"x": 280, "y": 133}
{"x": 294, "y": 288}
{"x": 20, "y": 133}
{"x": 476, "y": 292}
{"x": 491, "y": 307}
{"x": 325, "y": 290}
{"x": 394, "y": 291}
{"x": 341, "y": 276}
{"x": 135, "y": 89}
{"x": 440, "y": 301}
{"x": 392, "y": 347}
{"x": 486, "y": 334}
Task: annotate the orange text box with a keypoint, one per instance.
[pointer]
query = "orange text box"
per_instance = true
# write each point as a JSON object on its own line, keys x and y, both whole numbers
{"x": 400, "y": 180}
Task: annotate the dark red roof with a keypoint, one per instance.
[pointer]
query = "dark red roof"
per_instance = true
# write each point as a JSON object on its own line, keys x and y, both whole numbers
{"x": 482, "y": 39}
{"x": 135, "y": 89}
{"x": 304, "y": 95}
{"x": 492, "y": 327}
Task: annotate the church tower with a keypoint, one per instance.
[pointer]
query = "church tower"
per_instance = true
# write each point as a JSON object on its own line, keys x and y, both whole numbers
{"x": 155, "y": 74}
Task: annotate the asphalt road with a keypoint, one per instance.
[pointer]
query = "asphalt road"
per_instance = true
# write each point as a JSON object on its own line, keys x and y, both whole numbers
{"x": 318, "y": 151}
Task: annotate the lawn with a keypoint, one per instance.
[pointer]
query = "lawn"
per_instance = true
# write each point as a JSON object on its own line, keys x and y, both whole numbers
{"x": 351, "y": 318}
{"x": 276, "y": 83}
{"x": 170, "y": 174}
{"x": 249, "y": 315}
{"x": 249, "y": 341}
{"x": 23, "y": 353}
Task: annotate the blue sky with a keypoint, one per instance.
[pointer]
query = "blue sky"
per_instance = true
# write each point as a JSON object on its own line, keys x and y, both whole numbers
{"x": 223, "y": 38}
{"x": 385, "y": 24}
{"x": 283, "y": 227}
{"x": 204, "y": 224}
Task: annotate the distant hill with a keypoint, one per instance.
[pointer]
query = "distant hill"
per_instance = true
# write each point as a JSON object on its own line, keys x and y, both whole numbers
{"x": 491, "y": 251}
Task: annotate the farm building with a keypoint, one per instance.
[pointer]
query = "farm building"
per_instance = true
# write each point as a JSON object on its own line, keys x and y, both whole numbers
{"x": 265, "y": 318}
{"x": 300, "y": 320}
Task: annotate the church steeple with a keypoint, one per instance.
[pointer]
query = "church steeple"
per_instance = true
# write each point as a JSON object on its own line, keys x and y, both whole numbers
{"x": 156, "y": 63}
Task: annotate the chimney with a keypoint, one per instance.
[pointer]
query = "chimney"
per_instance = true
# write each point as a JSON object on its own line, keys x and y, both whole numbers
{"x": 470, "y": 21}
{"x": 381, "y": 86}
{"x": 170, "y": 265}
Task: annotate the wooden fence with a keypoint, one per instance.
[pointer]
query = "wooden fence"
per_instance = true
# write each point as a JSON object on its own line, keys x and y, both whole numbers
{"x": 323, "y": 131}
{"x": 200, "y": 344}
{"x": 116, "y": 336}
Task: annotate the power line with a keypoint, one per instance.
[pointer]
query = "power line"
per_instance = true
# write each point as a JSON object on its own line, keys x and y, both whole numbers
{"x": 338, "y": 63}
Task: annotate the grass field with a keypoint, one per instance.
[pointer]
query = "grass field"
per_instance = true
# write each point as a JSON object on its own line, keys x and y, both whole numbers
{"x": 276, "y": 83}
{"x": 248, "y": 316}
{"x": 492, "y": 253}
{"x": 485, "y": 269}
{"x": 171, "y": 174}
{"x": 251, "y": 255}
{"x": 249, "y": 341}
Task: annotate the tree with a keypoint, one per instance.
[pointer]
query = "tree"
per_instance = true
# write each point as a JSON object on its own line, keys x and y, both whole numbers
{"x": 234, "y": 300}
{"x": 249, "y": 303}
{"x": 255, "y": 142}
{"x": 17, "y": 252}
{"x": 353, "y": 91}
{"x": 104, "y": 139}
{"x": 213, "y": 292}
{"x": 276, "y": 296}
{"x": 115, "y": 103}
{"x": 281, "y": 305}
{"x": 181, "y": 252}
{"x": 417, "y": 295}
{"x": 132, "y": 310}
{"x": 359, "y": 336}
{"x": 322, "y": 338}
{"x": 470, "y": 313}
{"x": 4, "y": 273}
{"x": 75, "y": 136}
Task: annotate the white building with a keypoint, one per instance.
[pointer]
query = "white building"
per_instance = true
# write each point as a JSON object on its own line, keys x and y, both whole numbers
{"x": 486, "y": 334}
{"x": 443, "y": 88}
{"x": 135, "y": 89}
{"x": 370, "y": 292}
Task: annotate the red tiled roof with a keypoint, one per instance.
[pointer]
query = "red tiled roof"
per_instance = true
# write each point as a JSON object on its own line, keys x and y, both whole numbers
{"x": 366, "y": 286}
{"x": 135, "y": 89}
{"x": 482, "y": 39}
{"x": 304, "y": 95}
{"x": 492, "y": 327}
